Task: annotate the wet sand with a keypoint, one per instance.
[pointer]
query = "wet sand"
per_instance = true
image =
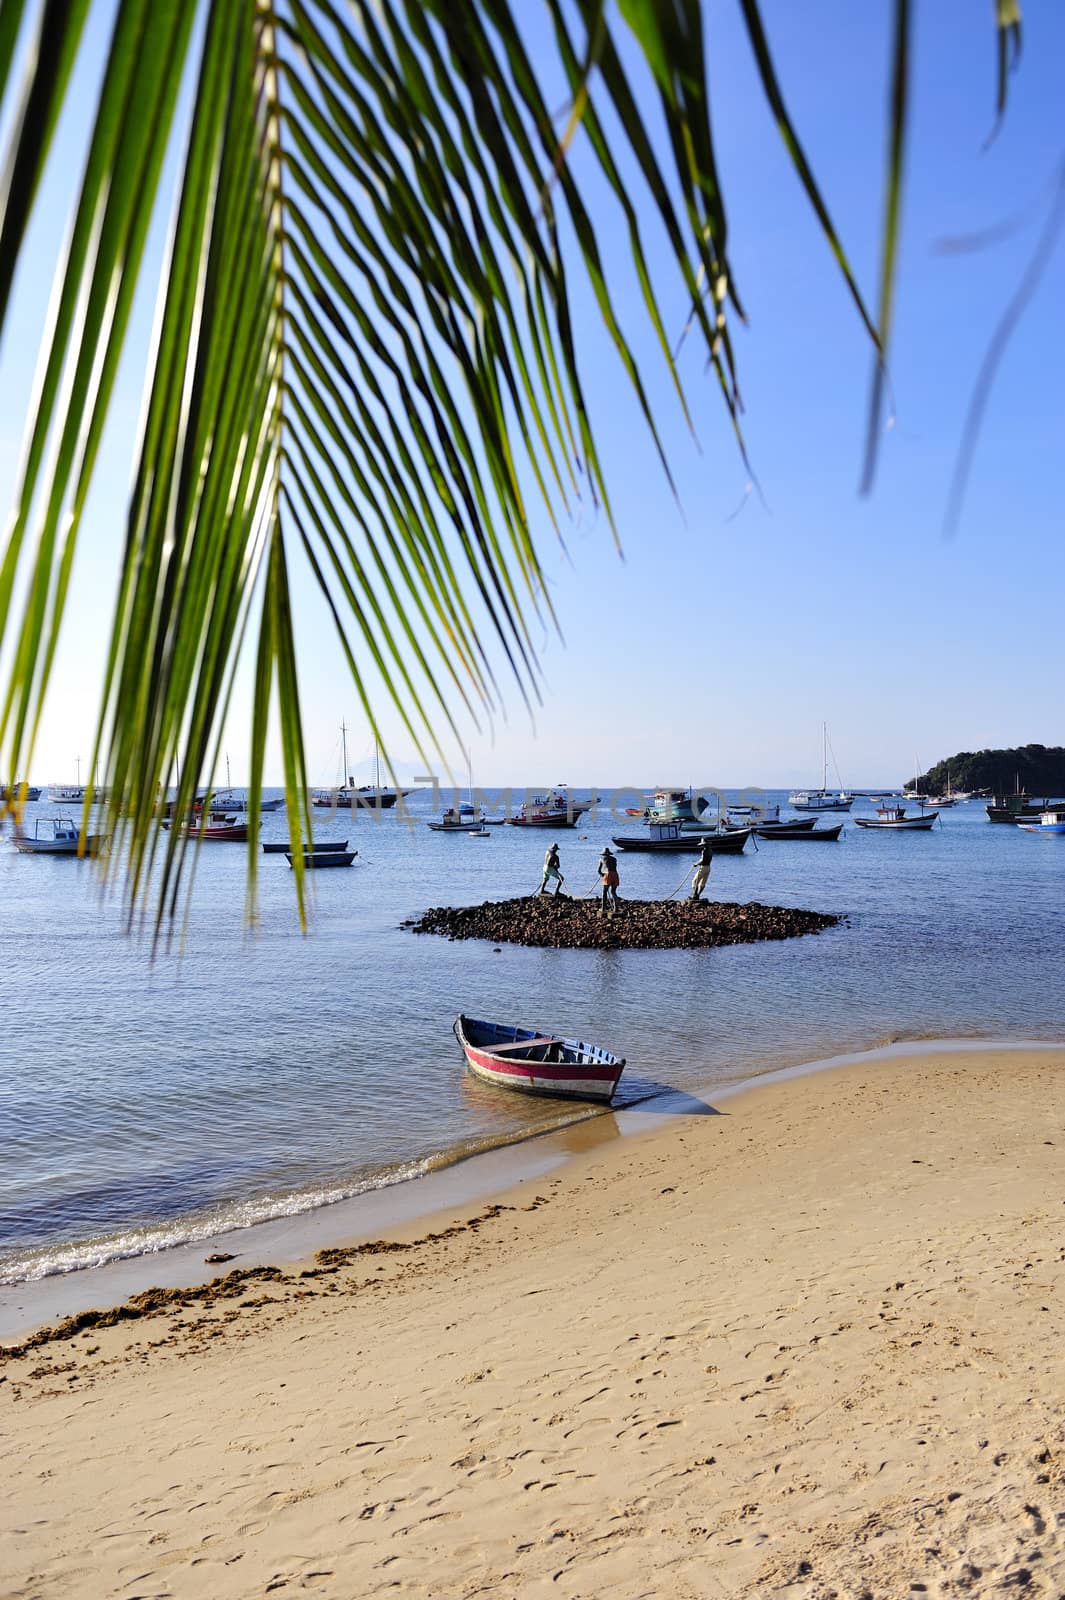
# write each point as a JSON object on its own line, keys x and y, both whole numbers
{"x": 810, "y": 1344}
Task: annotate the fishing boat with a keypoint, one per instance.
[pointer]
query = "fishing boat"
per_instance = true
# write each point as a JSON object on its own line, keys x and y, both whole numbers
{"x": 456, "y": 819}
{"x": 57, "y": 836}
{"x": 823, "y": 799}
{"x": 16, "y": 793}
{"x": 556, "y": 810}
{"x": 676, "y": 805}
{"x": 1050, "y": 824}
{"x": 758, "y": 813}
{"x": 664, "y": 837}
{"x": 281, "y": 847}
{"x": 317, "y": 859}
{"x": 825, "y": 835}
{"x": 762, "y": 826}
{"x": 462, "y": 817}
{"x": 219, "y": 828}
{"x": 71, "y": 794}
{"x": 897, "y": 817}
{"x": 1018, "y": 807}
{"x": 533, "y": 1062}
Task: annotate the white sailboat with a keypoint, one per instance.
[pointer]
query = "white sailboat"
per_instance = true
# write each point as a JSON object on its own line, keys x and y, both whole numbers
{"x": 942, "y": 802}
{"x": 369, "y": 795}
{"x": 823, "y": 799}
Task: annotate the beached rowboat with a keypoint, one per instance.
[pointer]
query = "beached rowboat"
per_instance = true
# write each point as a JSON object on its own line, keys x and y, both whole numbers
{"x": 538, "y": 1063}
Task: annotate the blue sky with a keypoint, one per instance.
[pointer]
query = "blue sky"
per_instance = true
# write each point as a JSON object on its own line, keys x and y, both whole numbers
{"x": 712, "y": 652}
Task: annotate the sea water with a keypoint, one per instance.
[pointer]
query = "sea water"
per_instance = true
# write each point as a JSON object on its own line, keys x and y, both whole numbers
{"x": 241, "y": 1075}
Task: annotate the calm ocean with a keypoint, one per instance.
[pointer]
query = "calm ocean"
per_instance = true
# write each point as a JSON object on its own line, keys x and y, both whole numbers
{"x": 253, "y": 1075}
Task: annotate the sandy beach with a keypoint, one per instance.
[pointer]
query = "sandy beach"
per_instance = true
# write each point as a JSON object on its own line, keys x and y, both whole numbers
{"x": 808, "y": 1343}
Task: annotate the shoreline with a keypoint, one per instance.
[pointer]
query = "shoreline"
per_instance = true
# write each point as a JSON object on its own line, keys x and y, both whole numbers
{"x": 805, "y": 1344}
{"x": 459, "y": 1180}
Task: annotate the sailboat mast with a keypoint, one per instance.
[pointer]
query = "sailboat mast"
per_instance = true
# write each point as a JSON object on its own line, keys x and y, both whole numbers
{"x": 377, "y": 764}
{"x": 344, "y": 755}
{"x": 824, "y": 758}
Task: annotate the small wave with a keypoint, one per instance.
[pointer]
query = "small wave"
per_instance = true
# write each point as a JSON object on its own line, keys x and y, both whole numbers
{"x": 58, "y": 1258}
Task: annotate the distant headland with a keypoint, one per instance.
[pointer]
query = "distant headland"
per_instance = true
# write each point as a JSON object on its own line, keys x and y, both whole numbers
{"x": 1030, "y": 769}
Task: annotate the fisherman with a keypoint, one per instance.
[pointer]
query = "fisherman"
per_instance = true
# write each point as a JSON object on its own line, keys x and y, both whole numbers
{"x": 608, "y": 876}
{"x": 552, "y": 871}
{"x": 701, "y": 872}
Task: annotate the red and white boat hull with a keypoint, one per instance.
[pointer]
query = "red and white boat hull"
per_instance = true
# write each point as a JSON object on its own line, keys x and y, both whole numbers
{"x": 543, "y": 1077}
{"x": 534, "y": 1064}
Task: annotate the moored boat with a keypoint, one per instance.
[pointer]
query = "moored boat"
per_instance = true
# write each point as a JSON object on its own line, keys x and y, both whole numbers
{"x": 318, "y": 859}
{"x": 664, "y": 837}
{"x": 556, "y": 810}
{"x": 824, "y": 835}
{"x": 676, "y": 805}
{"x": 1017, "y": 807}
{"x": 71, "y": 794}
{"x": 456, "y": 819}
{"x": 897, "y": 817}
{"x": 823, "y": 799}
{"x": 57, "y": 836}
{"x": 533, "y": 1062}
{"x": 368, "y": 796}
{"x": 219, "y": 828}
{"x": 281, "y": 847}
{"x": 16, "y": 793}
{"x": 774, "y": 825}
{"x": 228, "y": 800}
{"x": 1050, "y": 824}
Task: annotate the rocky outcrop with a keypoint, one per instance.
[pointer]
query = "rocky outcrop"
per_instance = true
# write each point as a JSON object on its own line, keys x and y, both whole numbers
{"x": 637, "y": 925}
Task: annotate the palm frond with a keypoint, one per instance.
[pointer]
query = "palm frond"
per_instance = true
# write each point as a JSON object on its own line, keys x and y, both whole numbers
{"x": 898, "y": 122}
{"x": 1008, "y": 39}
{"x": 364, "y": 356}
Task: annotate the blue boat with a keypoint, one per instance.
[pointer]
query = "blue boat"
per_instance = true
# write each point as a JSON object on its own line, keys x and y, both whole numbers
{"x": 1050, "y": 822}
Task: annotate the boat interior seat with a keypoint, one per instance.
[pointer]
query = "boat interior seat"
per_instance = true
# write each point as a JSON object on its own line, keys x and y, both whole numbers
{"x": 523, "y": 1045}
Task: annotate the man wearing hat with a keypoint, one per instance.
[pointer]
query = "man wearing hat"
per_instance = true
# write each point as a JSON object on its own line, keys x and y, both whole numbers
{"x": 608, "y": 876}
{"x": 552, "y": 871}
{"x": 701, "y": 874}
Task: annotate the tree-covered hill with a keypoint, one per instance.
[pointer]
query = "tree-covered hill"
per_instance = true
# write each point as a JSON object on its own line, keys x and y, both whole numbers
{"x": 1035, "y": 769}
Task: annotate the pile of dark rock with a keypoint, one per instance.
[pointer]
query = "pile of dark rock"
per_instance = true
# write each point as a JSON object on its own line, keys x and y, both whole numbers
{"x": 636, "y": 925}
